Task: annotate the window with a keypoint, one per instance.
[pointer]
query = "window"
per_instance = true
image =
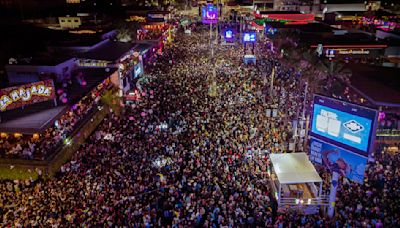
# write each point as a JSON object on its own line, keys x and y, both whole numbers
{"x": 76, "y": 21}
{"x": 62, "y": 20}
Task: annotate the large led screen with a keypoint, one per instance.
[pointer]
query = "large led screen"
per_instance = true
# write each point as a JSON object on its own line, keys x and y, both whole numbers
{"x": 347, "y": 125}
{"x": 249, "y": 37}
{"x": 209, "y": 14}
{"x": 336, "y": 159}
{"x": 229, "y": 35}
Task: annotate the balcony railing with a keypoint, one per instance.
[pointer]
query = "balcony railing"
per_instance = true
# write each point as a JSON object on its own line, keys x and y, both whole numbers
{"x": 323, "y": 200}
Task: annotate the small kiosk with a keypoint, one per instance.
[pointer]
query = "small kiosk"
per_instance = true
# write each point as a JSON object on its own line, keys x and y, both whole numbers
{"x": 295, "y": 182}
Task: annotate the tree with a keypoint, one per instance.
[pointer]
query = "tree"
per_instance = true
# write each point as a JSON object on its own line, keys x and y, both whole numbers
{"x": 127, "y": 31}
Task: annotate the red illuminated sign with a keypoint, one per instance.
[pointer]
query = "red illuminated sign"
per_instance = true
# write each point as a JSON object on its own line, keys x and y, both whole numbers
{"x": 287, "y": 17}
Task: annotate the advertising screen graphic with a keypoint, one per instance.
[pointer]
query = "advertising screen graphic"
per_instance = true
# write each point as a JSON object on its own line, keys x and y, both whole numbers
{"x": 338, "y": 160}
{"x": 249, "y": 37}
{"x": 349, "y": 125}
{"x": 209, "y": 14}
{"x": 343, "y": 127}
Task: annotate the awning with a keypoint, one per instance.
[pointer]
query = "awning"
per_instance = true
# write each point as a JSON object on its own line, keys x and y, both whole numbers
{"x": 294, "y": 168}
{"x": 34, "y": 123}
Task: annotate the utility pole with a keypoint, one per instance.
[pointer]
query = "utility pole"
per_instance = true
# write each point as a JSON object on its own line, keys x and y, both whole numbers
{"x": 216, "y": 28}
{"x": 211, "y": 46}
{"x": 272, "y": 81}
{"x": 304, "y": 101}
{"x": 240, "y": 28}
{"x": 332, "y": 195}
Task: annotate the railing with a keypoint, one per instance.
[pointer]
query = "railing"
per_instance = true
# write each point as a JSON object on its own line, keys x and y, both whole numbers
{"x": 59, "y": 145}
{"x": 387, "y": 133}
{"x": 388, "y": 136}
{"x": 323, "y": 200}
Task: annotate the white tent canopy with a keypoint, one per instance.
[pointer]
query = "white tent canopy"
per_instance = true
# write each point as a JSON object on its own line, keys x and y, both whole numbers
{"x": 294, "y": 168}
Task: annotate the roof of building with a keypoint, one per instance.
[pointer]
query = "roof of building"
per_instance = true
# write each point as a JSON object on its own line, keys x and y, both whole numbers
{"x": 294, "y": 168}
{"x": 109, "y": 51}
{"x": 346, "y": 39}
{"x": 141, "y": 47}
{"x": 309, "y": 27}
{"x": 377, "y": 13}
{"x": 77, "y": 40}
{"x": 32, "y": 45}
{"x": 380, "y": 85}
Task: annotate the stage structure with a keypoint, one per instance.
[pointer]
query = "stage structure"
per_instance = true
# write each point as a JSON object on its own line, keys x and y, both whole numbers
{"x": 295, "y": 182}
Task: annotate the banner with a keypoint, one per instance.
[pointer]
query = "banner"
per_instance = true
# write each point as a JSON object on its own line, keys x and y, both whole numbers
{"x": 23, "y": 95}
{"x": 338, "y": 160}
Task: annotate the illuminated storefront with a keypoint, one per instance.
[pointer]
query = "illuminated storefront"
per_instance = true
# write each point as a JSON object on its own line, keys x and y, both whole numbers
{"x": 130, "y": 68}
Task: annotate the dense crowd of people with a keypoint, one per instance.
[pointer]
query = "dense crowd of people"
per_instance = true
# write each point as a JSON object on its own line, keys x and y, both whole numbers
{"x": 193, "y": 152}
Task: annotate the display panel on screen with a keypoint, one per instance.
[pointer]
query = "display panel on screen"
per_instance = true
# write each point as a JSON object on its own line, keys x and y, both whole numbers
{"x": 249, "y": 37}
{"x": 339, "y": 122}
{"x": 209, "y": 14}
{"x": 339, "y": 160}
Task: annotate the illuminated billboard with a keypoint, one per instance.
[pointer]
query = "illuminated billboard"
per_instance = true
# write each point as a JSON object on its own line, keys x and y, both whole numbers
{"x": 249, "y": 37}
{"x": 19, "y": 96}
{"x": 229, "y": 35}
{"x": 343, "y": 124}
{"x": 336, "y": 159}
{"x": 209, "y": 14}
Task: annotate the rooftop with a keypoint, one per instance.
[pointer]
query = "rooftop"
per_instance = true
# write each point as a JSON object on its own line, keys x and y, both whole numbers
{"x": 346, "y": 39}
{"x": 378, "y": 13}
{"x": 33, "y": 45}
{"x": 36, "y": 122}
{"x": 109, "y": 51}
{"x": 309, "y": 27}
{"x": 381, "y": 85}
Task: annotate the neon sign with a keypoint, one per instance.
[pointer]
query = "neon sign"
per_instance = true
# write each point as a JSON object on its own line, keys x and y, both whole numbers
{"x": 18, "y": 96}
{"x": 209, "y": 14}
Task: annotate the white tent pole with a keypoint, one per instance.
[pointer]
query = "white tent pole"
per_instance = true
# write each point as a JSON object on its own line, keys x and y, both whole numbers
{"x": 279, "y": 194}
{"x": 332, "y": 195}
{"x": 320, "y": 189}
